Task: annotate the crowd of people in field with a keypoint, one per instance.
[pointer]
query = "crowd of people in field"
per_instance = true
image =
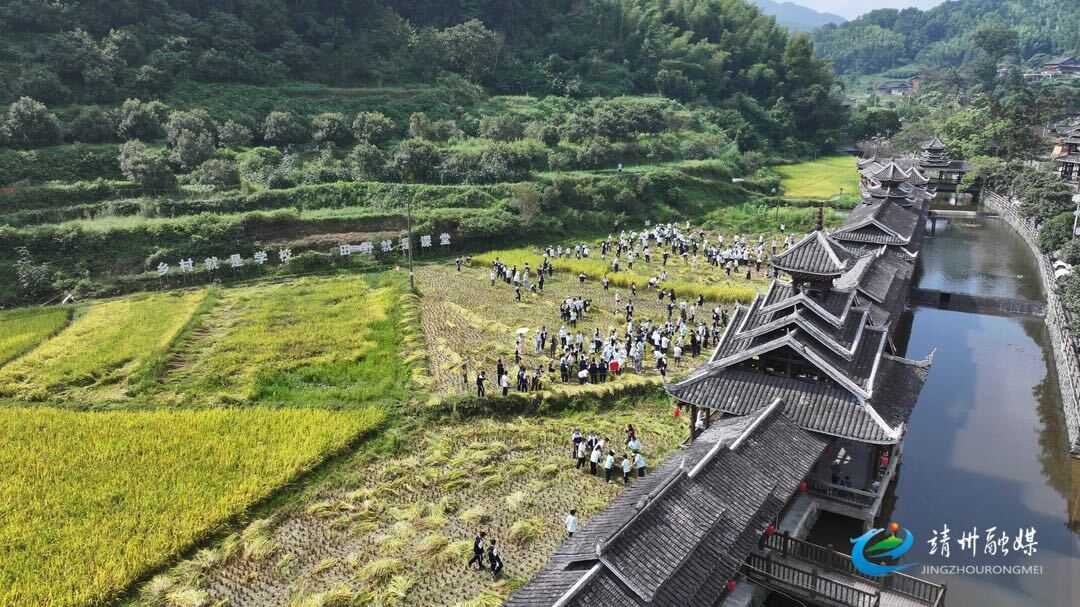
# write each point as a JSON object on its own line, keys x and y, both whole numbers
{"x": 576, "y": 353}
{"x": 591, "y": 452}
{"x": 580, "y": 352}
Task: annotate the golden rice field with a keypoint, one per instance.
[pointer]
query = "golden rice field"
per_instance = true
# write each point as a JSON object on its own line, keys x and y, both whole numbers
{"x": 309, "y": 340}
{"x": 395, "y": 528}
{"x": 21, "y": 330}
{"x": 93, "y": 500}
{"x": 688, "y": 280}
{"x": 104, "y": 346}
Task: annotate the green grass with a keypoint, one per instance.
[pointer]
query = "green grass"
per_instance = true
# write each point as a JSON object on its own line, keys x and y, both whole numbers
{"x": 21, "y": 330}
{"x": 753, "y": 219}
{"x": 103, "y": 346}
{"x": 310, "y": 340}
{"x": 820, "y": 179}
{"x": 92, "y": 501}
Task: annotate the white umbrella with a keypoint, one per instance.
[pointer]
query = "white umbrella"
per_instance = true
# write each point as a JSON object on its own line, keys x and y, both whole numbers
{"x": 523, "y": 330}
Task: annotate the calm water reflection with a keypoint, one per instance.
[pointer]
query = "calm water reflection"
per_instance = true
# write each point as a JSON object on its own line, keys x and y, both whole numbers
{"x": 980, "y": 256}
{"x": 986, "y": 445}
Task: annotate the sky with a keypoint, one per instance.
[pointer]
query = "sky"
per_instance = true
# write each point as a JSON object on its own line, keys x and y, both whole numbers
{"x": 849, "y": 9}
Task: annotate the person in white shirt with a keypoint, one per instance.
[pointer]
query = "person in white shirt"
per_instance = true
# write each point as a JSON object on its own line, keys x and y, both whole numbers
{"x": 609, "y": 463}
{"x": 504, "y": 383}
{"x": 594, "y": 459}
{"x": 639, "y": 463}
{"x": 625, "y": 469}
{"x": 581, "y": 451}
{"x": 571, "y": 523}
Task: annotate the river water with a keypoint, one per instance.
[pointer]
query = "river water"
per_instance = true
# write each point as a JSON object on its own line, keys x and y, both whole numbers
{"x": 986, "y": 444}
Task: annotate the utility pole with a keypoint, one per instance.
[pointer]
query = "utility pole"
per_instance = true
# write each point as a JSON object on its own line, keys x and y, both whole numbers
{"x": 408, "y": 210}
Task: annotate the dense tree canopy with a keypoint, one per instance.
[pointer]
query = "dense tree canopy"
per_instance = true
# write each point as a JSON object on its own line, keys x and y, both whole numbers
{"x": 978, "y": 33}
{"x": 693, "y": 50}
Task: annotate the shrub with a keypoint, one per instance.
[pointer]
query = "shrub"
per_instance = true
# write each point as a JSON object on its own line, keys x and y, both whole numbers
{"x": 504, "y": 127}
{"x": 1055, "y": 232}
{"x": 415, "y": 160}
{"x": 444, "y": 130}
{"x": 1070, "y": 253}
{"x": 234, "y": 135}
{"x": 194, "y": 121}
{"x": 419, "y": 125}
{"x": 221, "y": 174}
{"x": 367, "y": 162}
{"x": 257, "y": 165}
{"x": 40, "y": 83}
{"x": 29, "y": 124}
{"x": 372, "y": 127}
{"x": 92, "y": 124}
{"x": 143, "y": 121}
{"x": 284, "y": 128}
{"x": 145, "y": 166}
{"x": 546, "y": 133}
{"x": 595, "y": 153}
{"x": 331, "y": 127}
{"x": 190, "y": 149}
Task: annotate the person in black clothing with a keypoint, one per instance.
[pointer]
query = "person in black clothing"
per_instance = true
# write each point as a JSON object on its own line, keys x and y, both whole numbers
{"x": 594, "y": 371}
{"x": 477, "y": 552}
{"x": 480, "y": 384}
{"x": 495, "y": 561}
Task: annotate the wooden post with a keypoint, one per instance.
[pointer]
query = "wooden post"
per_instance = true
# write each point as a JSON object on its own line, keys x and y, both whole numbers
{"x": 693, "y": 420}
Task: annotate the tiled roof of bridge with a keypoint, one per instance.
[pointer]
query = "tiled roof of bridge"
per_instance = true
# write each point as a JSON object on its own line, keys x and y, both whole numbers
{"x": 677, "y": 536}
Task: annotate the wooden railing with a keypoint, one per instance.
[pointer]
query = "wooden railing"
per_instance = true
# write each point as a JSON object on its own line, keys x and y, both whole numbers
{"x": 830, "y": 560}
{"x": 847, "y": 495}
{"x": 808, "y": 584}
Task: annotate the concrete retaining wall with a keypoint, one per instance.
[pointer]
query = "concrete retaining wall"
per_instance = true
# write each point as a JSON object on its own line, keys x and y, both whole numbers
{"x": 1066, "y": 349}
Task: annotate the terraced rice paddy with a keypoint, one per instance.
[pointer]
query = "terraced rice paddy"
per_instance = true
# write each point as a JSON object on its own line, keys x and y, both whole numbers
{"x": 465, "y": 319}
{"x": 821, "y": 179}
{"x": 396, "y": 528}
{"x": 106, "y": 345}
{"x": 21, "y": 330}
{"x": 688, "y": 279}
{"x": 311, "y": 340}
{"x": 92, "y": 500}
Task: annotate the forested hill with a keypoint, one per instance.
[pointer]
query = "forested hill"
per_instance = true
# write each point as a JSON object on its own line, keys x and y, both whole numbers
{"x": 946, "y": 35}
{"x": 724, "y": 52}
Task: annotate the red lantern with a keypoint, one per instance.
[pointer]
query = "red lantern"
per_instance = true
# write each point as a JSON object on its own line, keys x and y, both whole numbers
{"x": 731, "y": 586}
{"x": 828, "y": 449}
{"x": 802, "y": 486}
{"x": 770, "y": 530}
{"x": 676, "y": 412}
